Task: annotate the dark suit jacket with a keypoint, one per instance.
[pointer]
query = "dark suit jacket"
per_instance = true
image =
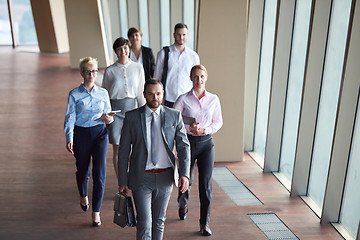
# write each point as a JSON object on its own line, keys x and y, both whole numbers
{"x": 148, "y": 62}
{"x": 133, "y": 145}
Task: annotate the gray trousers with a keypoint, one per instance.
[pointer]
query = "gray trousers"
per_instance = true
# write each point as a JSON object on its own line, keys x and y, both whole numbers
{"x": 151, "y": 201}
{"x": 115, "y": 127}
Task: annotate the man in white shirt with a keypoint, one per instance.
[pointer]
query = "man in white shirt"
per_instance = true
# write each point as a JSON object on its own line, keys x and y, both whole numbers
{"x": 181, "y": 60}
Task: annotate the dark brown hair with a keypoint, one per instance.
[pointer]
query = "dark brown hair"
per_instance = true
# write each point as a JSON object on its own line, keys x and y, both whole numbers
{"x": 180, "y": 25}
{"x": 134, "y": 30}
{"x": 120, "y": 42}
{"x": 152, "y": 81}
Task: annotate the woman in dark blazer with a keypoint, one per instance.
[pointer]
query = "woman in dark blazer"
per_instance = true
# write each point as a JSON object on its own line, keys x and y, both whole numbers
{"x": 141, "y": 54}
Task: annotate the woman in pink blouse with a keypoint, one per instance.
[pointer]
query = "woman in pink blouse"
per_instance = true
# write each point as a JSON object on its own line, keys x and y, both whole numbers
{"x": 202, "y": 117}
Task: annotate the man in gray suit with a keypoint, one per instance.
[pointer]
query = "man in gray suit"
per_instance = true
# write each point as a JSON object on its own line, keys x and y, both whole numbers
{"x": 150, "y": 174}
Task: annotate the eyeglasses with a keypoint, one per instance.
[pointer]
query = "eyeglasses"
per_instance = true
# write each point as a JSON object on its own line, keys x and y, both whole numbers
{"x": 87, "y": 72}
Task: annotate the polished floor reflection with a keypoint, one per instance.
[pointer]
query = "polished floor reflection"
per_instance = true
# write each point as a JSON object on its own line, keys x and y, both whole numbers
{"x": 38, "y": 193}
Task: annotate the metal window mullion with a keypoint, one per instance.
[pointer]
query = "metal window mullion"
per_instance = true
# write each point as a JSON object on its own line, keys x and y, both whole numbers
{"x": 11, "y": 20}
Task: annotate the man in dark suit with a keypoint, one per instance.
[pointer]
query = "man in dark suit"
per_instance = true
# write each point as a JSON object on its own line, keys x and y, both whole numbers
{"x": 148, "y": 173}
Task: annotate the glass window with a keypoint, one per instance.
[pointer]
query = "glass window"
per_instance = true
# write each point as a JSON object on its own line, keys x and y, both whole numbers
{"x": 144, "y": 21}
{"x": 189, "y": 20}
{"x": 350, "y": 211}
{"x": 5, "y": 30}
{"x": 266, "y": 63}
{"x": 123, "y": 17}
{"x": 295, "y": 85}
{"x": 165, "y": 22}
{"x": 328, "y": 100}
{"x": 24, "y": 27}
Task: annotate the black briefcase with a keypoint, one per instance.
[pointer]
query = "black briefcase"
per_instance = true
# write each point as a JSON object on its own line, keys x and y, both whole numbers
{"x": 124, "y": 214}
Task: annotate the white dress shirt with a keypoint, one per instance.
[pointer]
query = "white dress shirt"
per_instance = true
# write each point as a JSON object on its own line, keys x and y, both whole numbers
{"x": 164, "y": 161}
{"x": 124, "y": 81}
{"x": 179, "y": 66}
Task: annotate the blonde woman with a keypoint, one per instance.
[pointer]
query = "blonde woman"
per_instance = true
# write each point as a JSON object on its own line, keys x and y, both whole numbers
{"x": 86, "y": 136}
{"x": 204, "y": 107}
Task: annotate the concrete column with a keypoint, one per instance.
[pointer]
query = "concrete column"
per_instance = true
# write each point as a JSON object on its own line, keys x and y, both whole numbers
{"x": 309, "y": 105}
{"x": 344, "y": 125}
{"x": 50, "y": 24}
{"x": 279, "y": 80}
{"x": 86, "y": 31}
{"x": 253, "y": 47}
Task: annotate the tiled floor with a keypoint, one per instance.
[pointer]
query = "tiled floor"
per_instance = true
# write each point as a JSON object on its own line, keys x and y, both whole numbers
{"x": 272, "y": 226}
{"x": 38, "y": 194}
{"x": 234, "y": 188}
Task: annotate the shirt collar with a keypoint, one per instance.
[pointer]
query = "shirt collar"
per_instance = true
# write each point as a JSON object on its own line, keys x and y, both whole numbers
{"x": 124, "y": 65}
{"x": 193, "y": 93}
{"x": 175, "y": 49}
{"x": 83, "y": 88}
{"x": 148, "y": 111}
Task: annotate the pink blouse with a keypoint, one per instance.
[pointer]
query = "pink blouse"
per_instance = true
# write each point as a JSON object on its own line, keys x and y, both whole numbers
{"x": 206, "y": 110}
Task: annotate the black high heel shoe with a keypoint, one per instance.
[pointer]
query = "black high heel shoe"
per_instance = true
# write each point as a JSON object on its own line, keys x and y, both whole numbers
{"x": 205, "y": 230}
{"x": 96, "y": 224}
{"x": 84, "y": 208}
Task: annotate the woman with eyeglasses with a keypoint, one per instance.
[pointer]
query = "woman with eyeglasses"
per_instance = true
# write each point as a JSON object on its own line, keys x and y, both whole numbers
{"x": 86, "y": 135}
{"x": 201, "y": 112}
{"x": 140, "y": 53}
{"x": 124, "y": 81}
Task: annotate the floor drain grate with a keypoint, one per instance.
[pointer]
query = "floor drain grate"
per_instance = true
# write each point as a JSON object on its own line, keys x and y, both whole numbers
{"x": 272, "y": 226}
{"x": 234, "y": 188}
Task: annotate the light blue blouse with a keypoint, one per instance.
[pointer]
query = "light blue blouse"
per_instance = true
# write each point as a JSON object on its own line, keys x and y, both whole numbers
{"x": 85, "y": 109}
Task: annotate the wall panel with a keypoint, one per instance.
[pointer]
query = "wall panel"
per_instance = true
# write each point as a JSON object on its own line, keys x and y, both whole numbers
{"x": 226, "y": 77}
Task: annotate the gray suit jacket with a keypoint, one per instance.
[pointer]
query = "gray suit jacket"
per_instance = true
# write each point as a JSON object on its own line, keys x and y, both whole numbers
{"x": 133, "y": 152}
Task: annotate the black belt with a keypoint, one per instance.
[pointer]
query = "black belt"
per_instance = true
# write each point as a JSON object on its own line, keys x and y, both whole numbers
{"x": 199, "y": 138}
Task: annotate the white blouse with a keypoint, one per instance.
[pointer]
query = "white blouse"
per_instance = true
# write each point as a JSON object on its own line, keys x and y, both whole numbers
{"x": 124, "y": 81}
{"x": 134, "y": 59}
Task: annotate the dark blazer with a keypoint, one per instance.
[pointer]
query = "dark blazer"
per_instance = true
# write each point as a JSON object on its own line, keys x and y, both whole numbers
{"x": 148, "y": 62}
{"x": 133, "y": 145}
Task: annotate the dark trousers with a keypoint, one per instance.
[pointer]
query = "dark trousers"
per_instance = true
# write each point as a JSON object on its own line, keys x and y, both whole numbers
{"x": 91, "y": 142}
{"x": 203, "y": 151}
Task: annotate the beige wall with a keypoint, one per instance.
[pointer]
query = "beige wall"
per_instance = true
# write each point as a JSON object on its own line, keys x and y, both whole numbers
{"x": 221, "y": 47}
{"x": 154, "y": 25}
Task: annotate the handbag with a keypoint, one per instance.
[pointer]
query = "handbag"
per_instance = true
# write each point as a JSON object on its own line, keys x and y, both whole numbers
{"x": 124, "y": 214}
